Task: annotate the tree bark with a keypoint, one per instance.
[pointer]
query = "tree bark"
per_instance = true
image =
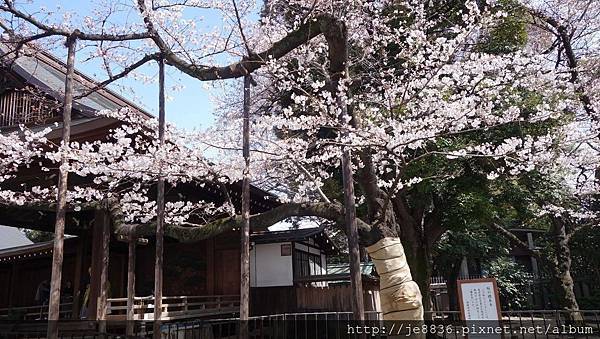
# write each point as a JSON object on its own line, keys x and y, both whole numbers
{"x": 562, "y": 272}
{"x": 59, "y": 227}
{"x": 420, "y": 264}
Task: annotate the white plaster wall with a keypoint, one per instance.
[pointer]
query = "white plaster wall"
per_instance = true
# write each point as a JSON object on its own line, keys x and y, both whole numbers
{"x": 268, "y": 267}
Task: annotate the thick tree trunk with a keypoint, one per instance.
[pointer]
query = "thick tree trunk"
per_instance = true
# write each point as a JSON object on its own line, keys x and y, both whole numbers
{"x": 399, "y": 293}
{"x": 419, "y": 259}
{"x": 420, "y": 266}
{"x": 562, "y": 273}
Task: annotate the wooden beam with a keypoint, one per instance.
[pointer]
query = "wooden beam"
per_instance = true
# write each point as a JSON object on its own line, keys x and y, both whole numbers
{"x": 160, "y": 207}
{"x": 59, "y": 227}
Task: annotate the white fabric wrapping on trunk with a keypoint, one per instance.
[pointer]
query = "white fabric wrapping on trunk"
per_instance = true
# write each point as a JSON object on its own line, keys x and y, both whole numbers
{"x": 400, "y": 295}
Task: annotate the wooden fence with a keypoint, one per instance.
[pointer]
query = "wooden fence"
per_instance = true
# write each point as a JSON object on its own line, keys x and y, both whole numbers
{"x": 36, "y": 312}
{"x": 334, "y": 298}
{"x": 175, "y": 307}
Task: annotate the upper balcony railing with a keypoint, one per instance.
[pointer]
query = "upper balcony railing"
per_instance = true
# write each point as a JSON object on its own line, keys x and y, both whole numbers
{"x": 24, "y": 107}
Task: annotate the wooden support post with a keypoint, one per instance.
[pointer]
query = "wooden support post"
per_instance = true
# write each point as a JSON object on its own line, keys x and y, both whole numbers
{"x": 14, "y": 273}
{"x": 95, "y": 267}
{"x": 61, "y": 201}
{"x": 358, "y": 308}
{"x": 102, "y": 304}
{"x": 77, "y": 268}
{"x": 339, "y": 71}
{"x": 210, "y": 266}
{"x": 245, "y": 229}
{"x": 131, "y": 284}
{"x": 160, "y": 207}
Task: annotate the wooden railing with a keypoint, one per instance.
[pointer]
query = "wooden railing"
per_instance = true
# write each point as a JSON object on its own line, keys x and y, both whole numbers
{"x": 35, "y": 312}
{"x": 21, "y": 107}
{"x": 176, "y": 307}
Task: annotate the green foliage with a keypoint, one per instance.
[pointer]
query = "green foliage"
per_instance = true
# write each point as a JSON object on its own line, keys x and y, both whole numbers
{"x": 591, "y": 302}
{"x": 476, "y": 243}
{"x": 490, "y": 251}
{"x": 513, "y": 282}
{"x": 585, "y": 246}
{"x": 511, "y": 32}
{"x": 38, "y": 236}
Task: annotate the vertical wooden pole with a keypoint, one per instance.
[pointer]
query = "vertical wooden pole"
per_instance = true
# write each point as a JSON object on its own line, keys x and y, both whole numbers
{"x": 210, "y": 266}
{"x": 95, "y": 267}
{"x": 339, "y": 74}
{"x": 358, "y": 308}
{"x": 104, "y": 284}
{"x": 14, "y": 273}
{"x": 130, "y": 284}
{"x": 77, "y": 276}
{"x": 160, "y": 206}
{"x": 61, "y": 201}
{"x": 245, "y": 230}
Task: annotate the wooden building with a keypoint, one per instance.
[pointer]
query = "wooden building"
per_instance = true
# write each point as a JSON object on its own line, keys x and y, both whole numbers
{"x": 207, "y": 270}
{"x": 31, "y": 86}
{"x": 200, "y": 278}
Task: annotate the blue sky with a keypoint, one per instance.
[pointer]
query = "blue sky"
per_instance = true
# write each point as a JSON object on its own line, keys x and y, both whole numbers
{"x": 188, "y": 107}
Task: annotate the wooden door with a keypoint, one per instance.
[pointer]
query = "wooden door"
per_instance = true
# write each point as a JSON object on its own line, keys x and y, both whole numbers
{"x": 227, "y": 272}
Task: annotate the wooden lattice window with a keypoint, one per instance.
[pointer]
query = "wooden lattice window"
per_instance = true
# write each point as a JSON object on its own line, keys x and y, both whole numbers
{"x": 26, "y": 106}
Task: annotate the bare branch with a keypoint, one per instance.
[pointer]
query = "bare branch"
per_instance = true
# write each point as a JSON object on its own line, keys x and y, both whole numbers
{"x": 9, "y": 7}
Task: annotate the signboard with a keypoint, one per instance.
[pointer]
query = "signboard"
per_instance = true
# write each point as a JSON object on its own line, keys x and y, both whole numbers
{"x": 480, "y": 303}
{"x": 286, "y": 250}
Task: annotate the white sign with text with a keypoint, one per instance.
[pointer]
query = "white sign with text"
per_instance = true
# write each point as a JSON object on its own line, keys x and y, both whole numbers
{"x": 480, "y": 304}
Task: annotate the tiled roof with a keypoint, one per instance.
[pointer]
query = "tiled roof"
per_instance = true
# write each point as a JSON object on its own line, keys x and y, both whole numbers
{"x": 12, "y": 237}
{"x": 47, "y": 73}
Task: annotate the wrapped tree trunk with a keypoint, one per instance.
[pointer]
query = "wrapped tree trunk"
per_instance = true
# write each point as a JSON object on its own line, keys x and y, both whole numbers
{"x": 400, "y": 295}
{"x": 59, "y": 227}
